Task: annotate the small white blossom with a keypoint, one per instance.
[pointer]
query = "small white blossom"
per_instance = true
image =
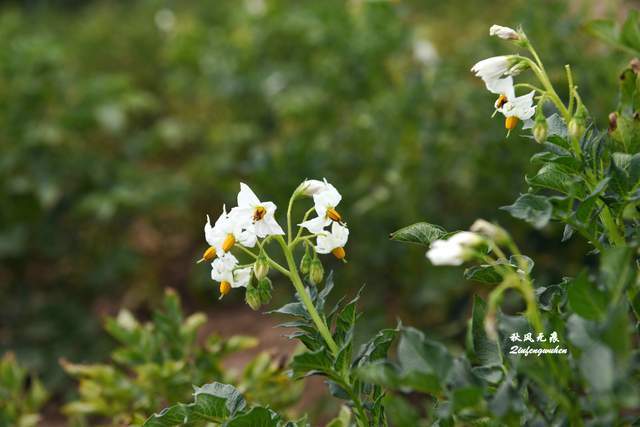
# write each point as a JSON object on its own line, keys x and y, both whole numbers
{"x": 492, "y": 231}
{"x": 519, "y": 106}
{"x": 505, "y": 33}
{"x": 227, "y": 231}
{"x": 325, "y": 203}
{"x": 337, "y": 238}
{"x": 493, "y": 71}
{"x": 311, "y": 187}
{"x": 251, "y": 210}
{"x": 223, "y": 269}
{"x": 453, "y": 251}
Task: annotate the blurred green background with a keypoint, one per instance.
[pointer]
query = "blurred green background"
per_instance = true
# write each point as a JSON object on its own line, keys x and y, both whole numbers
{"x": 123, "y": 123}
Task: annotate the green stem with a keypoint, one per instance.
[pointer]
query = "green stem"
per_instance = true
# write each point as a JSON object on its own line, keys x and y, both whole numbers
{"x": 615, "y": 238}
{"x": 571, "y": 88}
{"x": 289, "y": 210}
{"x": 306, "y": 299}
{"x": 272, "y": 263}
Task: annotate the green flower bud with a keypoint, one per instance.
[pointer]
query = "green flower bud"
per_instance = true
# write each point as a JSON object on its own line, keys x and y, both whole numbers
{"x": 576, "y": 125}
{"x": 252, "y": 296}
{"x": 540, "y": 131}
{"x": 261, "y": 267}
{"x": 316, "y": 272}
{"x": 264, "y": 290}
{"x": 305, "y": 263}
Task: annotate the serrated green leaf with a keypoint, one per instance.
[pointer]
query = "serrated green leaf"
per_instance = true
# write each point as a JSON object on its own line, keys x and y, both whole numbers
{"x": 255, "y": 417}
{"x": 485, "y": 350}
{"x": 534, "y": 209}
{"x": 421, "y": 233}
{"x": 586, "y": 299}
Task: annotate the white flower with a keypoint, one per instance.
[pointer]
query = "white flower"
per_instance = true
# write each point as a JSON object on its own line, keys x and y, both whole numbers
{"x": 453, "y": 251}
{"x": 223, "y": 270}
{"x": 492, "y": 231}
{"x": 493, "y": 71}
{"x": 251, "y": 210}
{"x": 227, "y": 231}
{"x": 325, "y": 203}
{"x": 334, "y": 241}
{"x": 424, "y": 51}
{"x": 519, "y": 106}
{"x": 505, "y": 33}
{"x": 311, "y": 187}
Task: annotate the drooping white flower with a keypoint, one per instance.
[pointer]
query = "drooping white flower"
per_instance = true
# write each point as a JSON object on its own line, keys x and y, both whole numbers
{"x": 505, "y": 33}
{"x": 251, "y": 210}
{"x": 493, "y": 71}
{"x": 492, "y": 231}
{"x": 311, "y": 187}
{"x": 227, "y": 231}
{"x": 453, "y": 251}
{"x": 334, "y": 241}
{"x": 325, "y": 203}
{"x": 517, "y": 108}
{"x": 224, "y": 271}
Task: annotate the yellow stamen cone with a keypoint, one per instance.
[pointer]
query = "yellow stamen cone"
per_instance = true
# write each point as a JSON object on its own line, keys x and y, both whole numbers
{"x": 339, "y": 253}
{"x": 511, "y": 122}
{"x": 225, "y": 288}
{"x": 334, "y": 215}
{"x": 228, "y": 243}
{"x": 208, "y": 255}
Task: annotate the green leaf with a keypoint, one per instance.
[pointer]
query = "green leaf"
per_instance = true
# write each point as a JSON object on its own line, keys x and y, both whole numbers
{"x": 343, "y": 419}
{"x": 311, "y": 363}
{"x": 377, "y": 347}
{"x": 617, "y": 269}
{"x": 485, "y": 350}
{"x": 630, "y": 32}
{"x": 554, "y": 177}
{"x": 421, "y": 233}
{"x": 586, "y": 299}
{"x": 256, "y": 417}
{"x": 213, "y": 401}
{"x": 534, "y": 209}
{"x": 484, "y": 273}
{"x": 597, "y": 367}
{"x": 417, "y": 354}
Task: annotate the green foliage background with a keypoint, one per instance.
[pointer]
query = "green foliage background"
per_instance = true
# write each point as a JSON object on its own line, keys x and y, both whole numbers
{"x": 123, "y": 123}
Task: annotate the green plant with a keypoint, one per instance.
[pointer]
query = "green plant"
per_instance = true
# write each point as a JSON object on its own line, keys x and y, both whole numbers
{"x": 156, "y": 363}
{"x": 536, "y": 354}
{"x": 21, "y": 396}
{"x": 570, "y": 356}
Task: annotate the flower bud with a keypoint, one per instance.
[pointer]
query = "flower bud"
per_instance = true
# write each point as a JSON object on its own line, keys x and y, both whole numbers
{"x": 613, "y": 122}
{"x": 492, "y": 231}
{"x": 310, "y": 187}
{"x": 540, "y": 131}
{"x": 316, "y": 272}
{"x": 264, "y": 290}
{"x": 252, "y": 296}
{"x": 261, "y": 267}
{"x": 576, "y": 125}
{"x": 305, "y": 263}
{"x": 504, "y": 33}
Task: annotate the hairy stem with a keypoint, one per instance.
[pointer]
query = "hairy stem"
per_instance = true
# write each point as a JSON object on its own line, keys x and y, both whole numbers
{"x": 294, "y": 276}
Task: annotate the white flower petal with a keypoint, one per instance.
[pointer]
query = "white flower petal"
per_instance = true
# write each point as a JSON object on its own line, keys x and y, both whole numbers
{"x": 505, "y": 33}
{"x": 246, "y": 197}
{"x": 316, "y": 225}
